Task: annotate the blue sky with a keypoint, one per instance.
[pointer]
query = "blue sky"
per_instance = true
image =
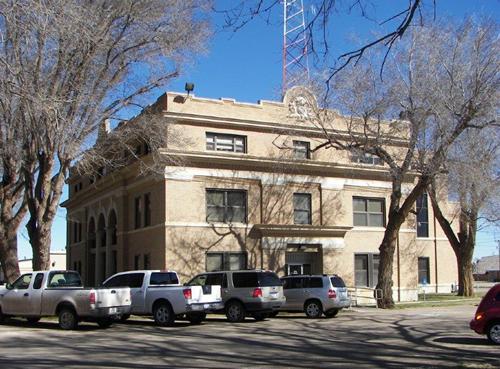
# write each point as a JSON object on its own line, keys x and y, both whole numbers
{"x": 246, "y": 65}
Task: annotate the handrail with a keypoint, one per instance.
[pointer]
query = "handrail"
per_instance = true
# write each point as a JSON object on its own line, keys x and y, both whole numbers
{"x": 355, "y": 292}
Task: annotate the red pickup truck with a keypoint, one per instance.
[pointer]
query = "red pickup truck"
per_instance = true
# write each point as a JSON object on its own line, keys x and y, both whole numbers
{"x": 487, "y": 317}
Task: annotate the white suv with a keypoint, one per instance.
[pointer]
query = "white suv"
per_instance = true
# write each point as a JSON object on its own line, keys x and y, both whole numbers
{"x": 315, "y": 295}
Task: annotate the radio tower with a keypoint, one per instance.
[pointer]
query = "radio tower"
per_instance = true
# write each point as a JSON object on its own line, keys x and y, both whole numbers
{"x": 295, "y": 65}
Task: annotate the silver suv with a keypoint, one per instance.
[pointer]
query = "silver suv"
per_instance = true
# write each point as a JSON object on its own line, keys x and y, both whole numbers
{"x": 315, "y": 295}
{"x": 245, "y": 292}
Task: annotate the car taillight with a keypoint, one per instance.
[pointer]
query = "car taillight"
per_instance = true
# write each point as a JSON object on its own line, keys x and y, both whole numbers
{"x": 257, "y": 292}
{"x": 188, "y": 295}
{"x": 92, "y": 298}
{"x": 332, "y": 294}
{"x": 479, "y": 316}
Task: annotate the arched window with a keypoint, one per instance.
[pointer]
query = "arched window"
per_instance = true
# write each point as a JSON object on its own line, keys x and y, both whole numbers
{"x": 101, "y": 230}
{"x": 91, "y": 233}
{"x": 112, "y": 226}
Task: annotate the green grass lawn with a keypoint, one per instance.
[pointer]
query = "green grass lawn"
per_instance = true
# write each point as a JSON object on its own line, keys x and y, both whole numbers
{"x": 442, "y": 299}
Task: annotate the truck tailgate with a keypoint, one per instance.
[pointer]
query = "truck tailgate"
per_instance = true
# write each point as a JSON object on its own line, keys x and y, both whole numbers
{"x": 110, "y": 297}
{"x": 205, "y": 294}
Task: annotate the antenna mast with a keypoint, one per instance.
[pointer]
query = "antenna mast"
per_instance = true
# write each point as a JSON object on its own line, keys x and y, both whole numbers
{"x": 295, "y": 64}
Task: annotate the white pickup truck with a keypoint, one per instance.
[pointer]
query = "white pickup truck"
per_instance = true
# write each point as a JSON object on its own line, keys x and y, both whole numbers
{"x": 60, "y": 293}
{"x": 159, "y": 293}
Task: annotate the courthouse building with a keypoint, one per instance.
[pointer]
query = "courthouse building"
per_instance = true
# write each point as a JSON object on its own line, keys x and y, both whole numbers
{"x": 251, "y": 193}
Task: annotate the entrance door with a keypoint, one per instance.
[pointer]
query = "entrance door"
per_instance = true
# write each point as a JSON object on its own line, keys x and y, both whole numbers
{"x": 303, "y": 259}
{"x": 294, "y": 269}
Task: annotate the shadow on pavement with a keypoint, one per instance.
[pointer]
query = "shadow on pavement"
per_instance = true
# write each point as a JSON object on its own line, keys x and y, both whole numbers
{"x": 476, "y": 341}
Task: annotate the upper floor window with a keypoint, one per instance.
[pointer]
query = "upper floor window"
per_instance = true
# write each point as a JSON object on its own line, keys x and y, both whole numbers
{"x": 147, "y": 210}
{"x": 137, "y": 212}
{"x": 301, "y": 150}
{"x": 216, "y": 261}
{"x": 226, "y": 142}
{"x": 365, "y": 158}
{"x": 226, "y": 206}
{"x": 302, "y": 208}
{"x": 368, "y": 212}
{"x": 422, "y": 216}
{"x": 142, "y": 211}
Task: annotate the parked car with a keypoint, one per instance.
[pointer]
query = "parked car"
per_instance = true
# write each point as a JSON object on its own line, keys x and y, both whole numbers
{"x": 253, "y": 292}
{"x": 159, "y": 293}
{"x": 487, "y": 317}
{"x": 315, "y": 295}
{"x": 61, "y": 293}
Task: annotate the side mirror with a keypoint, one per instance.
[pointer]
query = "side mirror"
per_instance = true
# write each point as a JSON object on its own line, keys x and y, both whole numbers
{"x": 8, "y": 286}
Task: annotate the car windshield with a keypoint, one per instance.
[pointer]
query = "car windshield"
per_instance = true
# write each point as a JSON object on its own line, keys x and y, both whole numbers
{"x": 268, "y": 279}
{"x": 337, "y": 282}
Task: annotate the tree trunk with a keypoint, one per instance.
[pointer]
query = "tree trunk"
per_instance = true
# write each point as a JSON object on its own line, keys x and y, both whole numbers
{"x": 465, "y": 277}
{"x": 40, "y": 239}
{"x": 8, "y": 255}
{"x": 386, "y": 261}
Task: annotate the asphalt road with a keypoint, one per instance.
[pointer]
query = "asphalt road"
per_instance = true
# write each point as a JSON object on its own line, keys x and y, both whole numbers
{"x": 365, "y": 338}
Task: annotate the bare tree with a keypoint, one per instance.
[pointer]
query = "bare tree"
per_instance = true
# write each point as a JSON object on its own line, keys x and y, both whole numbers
{"x": 74, "y": 64}
{"x": 440, "y": 83}
{"x": 473, "y": 179}
{"x": 12, "y": 201}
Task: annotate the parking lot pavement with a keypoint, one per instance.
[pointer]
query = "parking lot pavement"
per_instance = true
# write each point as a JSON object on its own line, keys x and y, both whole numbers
{"x": 364, "y": 338}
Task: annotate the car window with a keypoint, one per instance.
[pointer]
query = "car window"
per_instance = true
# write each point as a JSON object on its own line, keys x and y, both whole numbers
{"x": 497, "y": 297}
{"x": 163, "y": 278}
{"x": 22, "y": 283}
{"x": 64, "y": 279}
{"x": 298, "y": 282}
{"x": 37, "y": 284}
{"x": 199, "y": 280}
{"x": 117, "y": 281}
{"x": 286, "y": 283}
{"x": 135, "y": 280}
{"x": 268, "y": 279}
{"x": 315, "y": 282}
{"x": 245, "y": 280}
{"x": 337, "y": 281}
{"x": 217, "y": 279}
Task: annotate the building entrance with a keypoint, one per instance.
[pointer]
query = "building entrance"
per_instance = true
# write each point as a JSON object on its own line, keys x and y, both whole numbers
{"x": 303, "y": 259}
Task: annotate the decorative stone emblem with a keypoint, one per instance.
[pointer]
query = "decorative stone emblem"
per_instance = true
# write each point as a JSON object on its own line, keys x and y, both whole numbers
{"x": 300, "y": 102}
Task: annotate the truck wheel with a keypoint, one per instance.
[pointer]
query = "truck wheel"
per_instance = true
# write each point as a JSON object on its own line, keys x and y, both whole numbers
{"x": 124, "y": 318}
{"x": 104, "y": 323}
{"x": 274, "y": 314}
{"x": 33, "y": 320}
{"x": 196, "y": 318}
{"x": 313, "y": 309}
{"x": 331, "y": 313}
{"x": 235, "y": 312}
{"x": 67, "y": 319}
{"x": 163, "y": 314}
{"x": 494, "y": 333}
{"x": 2, "y": 316}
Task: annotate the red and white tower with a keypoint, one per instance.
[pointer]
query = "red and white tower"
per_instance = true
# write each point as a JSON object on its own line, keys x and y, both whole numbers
{"x": 295, "y": 64}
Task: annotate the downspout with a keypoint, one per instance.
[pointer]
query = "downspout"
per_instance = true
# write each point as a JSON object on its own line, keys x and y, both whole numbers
{"x": 261, "y": 211}
{"x": 435, "y": 253}
{"x": 399, "y": 269}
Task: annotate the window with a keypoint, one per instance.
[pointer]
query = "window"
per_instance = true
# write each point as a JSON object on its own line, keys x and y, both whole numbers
{"x": 422, "y": 216}
{"x": 137, "y": 212}
{"x": 225, "y": 142}
{"x": 226, "y": 206}
{"x": 64, "y": 279}
{"x": 147, "y": 210}
{"x": 423, "y": 270}
{"x": 163, "y": 278}
{"x": 365, "y": 158}
{"x": 293, "y": 283}
{"x": 301, "y": 150}
{"x": 242, "y": 280}
{"x": 135, "y": 280}
{"x": 114, "y": 262}
{"x": 137, "y": 260}
{"x": 131, "y": 280}
{"x": 315, "y": 282}
{"x": 216, "y": 279}
{"x": 147, "y": 261}
{"x": 365, "y": 270}
{"x": 37, "y": 284}
{"x": 337, "y": 281}
{"x": 368, "y": 212}
{"x": 226, "y": 261}
{"x": 22, "y": 283}
{"x": 302, "y": 208}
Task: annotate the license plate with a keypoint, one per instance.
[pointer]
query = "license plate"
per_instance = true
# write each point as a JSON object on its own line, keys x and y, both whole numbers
{"x": 197, "y": 307}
